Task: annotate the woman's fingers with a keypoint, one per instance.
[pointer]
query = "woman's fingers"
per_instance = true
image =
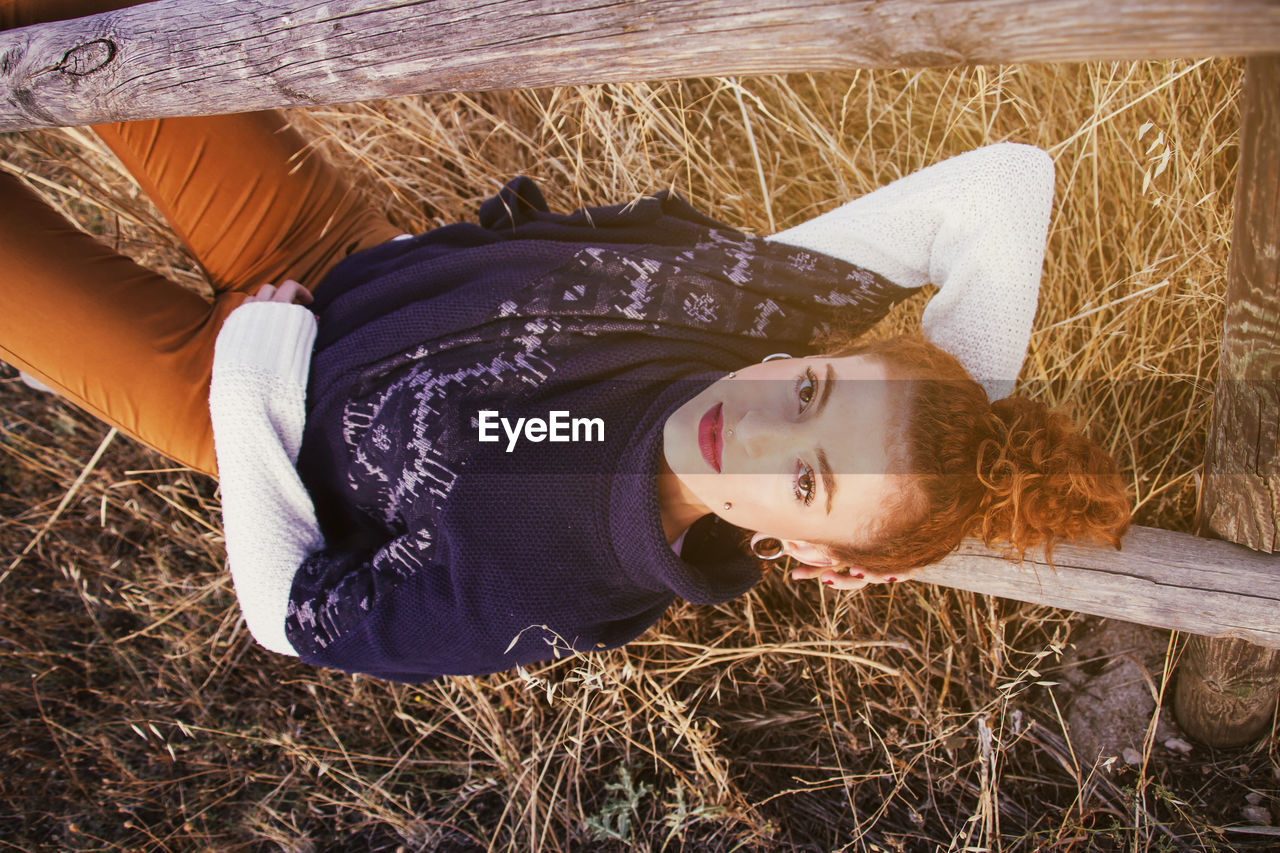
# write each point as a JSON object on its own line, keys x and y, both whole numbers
{"x": 291, "y": 290}
{"x": 840, "y": 580}
{"x": 264, "y": 294}
{"x": 803, "y": 572}
{"x": 830, "y": 577}
{"x": 852, "y": 578}
{"x": 287, "y": 292}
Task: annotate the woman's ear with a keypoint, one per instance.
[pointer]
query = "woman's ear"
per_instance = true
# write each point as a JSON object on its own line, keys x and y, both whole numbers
{"x": 808, "y": 553}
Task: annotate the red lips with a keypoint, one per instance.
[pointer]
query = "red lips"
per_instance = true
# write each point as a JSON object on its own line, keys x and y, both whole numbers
{"x": 709, "y": 431}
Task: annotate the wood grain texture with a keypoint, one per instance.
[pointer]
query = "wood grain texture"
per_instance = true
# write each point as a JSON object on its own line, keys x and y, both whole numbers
{"x": 190, "y": 57}
{"x": 1240, "y": 501}
{"x": 1225, "y": 693}
{"x": 1227, "y": 690}
{"x": 1159, "y": 578}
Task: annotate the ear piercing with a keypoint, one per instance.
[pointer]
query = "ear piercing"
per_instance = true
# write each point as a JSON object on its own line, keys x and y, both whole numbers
{"x": 732, "y": 373}
{"x": 728, "y": 505}
{"x": 766, "y": 547}
{"x": 728, "y": 432}
{"x": 775, "y": 355}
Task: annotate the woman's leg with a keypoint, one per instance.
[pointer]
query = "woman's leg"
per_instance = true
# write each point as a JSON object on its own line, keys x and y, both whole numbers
{"x": 114, "y": 338}
{"x": 126, "y": 344}
{"x": 248, "y": 196}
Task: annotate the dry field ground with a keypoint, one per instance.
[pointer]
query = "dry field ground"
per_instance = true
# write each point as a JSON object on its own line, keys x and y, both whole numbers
{"x": 137, "y": 714}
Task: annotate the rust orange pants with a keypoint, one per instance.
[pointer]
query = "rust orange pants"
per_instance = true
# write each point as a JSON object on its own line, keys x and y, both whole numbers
{"x": 247, "y": 197}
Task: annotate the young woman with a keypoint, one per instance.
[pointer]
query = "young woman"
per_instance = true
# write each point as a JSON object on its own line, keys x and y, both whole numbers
{"x": 493, "y": 443}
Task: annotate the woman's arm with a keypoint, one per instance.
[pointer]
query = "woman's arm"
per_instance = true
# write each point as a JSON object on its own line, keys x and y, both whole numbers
{"x": 975, "y": 226}
{"x": 257, "y": 401}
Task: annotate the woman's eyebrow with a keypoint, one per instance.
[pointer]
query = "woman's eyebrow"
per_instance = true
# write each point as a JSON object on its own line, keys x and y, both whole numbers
{"x": 828, "y": 382}
{"x": 824, "y": 467}
{"x": 828, "y": 477}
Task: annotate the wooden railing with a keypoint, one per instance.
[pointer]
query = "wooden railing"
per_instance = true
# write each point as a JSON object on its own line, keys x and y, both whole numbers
{"x": 1158, "y": 578}
{"x": 188, "y": 57}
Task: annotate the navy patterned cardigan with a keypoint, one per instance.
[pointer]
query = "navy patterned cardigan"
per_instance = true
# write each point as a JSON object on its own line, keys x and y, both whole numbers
{"x": 445, "y": 555}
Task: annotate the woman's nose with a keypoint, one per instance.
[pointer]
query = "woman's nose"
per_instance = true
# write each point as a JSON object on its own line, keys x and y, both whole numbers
{"x": 759, "y": 435}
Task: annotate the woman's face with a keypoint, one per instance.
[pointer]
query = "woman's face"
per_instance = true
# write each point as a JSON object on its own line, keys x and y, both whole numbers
{"x": 795, "y": 446}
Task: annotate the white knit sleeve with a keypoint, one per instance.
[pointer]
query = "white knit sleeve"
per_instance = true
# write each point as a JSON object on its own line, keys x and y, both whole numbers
{"x": 257, "y": 401}
{"x": 974, "y": 225}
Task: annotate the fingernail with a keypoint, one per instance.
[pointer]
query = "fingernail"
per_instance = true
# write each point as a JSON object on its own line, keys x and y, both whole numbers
{"x": 858, "y": 575}
{"x": 828, "y": 583}
{"x": 891, "y": 580}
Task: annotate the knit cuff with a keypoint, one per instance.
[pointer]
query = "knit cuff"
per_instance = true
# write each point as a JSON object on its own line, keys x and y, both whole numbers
{"x": 272, "y": 337}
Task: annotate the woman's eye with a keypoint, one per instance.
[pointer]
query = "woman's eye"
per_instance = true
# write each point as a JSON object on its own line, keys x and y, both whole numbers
{"x": 806, "y": 387}
{"x": 805, "y": 486}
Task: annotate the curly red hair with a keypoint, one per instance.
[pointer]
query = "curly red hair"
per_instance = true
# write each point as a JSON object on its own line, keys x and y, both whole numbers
{"x": 1013, "y": 472}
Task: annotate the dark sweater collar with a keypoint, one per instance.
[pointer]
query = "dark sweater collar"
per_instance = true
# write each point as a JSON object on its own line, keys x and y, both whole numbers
{"x": 635, "y": 519}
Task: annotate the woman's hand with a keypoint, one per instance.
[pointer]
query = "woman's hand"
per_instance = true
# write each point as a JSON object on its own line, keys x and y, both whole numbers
{"x": 286, "y": 292}
{"x": 851, "y": 578}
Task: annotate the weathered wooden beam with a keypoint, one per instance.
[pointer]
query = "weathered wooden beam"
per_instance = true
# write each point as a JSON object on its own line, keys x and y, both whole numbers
{"x": 1240, "y": 500}
{"x": 1158, "y": 578}
{"x": 190, "y": 57}
{"x": 1227, "y": 690}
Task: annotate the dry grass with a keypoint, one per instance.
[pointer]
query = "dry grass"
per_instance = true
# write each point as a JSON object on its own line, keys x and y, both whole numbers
{"x": 138, "y": 715}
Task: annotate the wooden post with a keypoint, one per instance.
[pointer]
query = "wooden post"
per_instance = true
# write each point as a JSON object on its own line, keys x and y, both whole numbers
{"x": 1227, "y": 689}
{"x": 193, "y": 57}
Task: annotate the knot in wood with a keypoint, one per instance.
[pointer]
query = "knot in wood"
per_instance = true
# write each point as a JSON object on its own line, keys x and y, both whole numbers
{"x": 84, "y": 59}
